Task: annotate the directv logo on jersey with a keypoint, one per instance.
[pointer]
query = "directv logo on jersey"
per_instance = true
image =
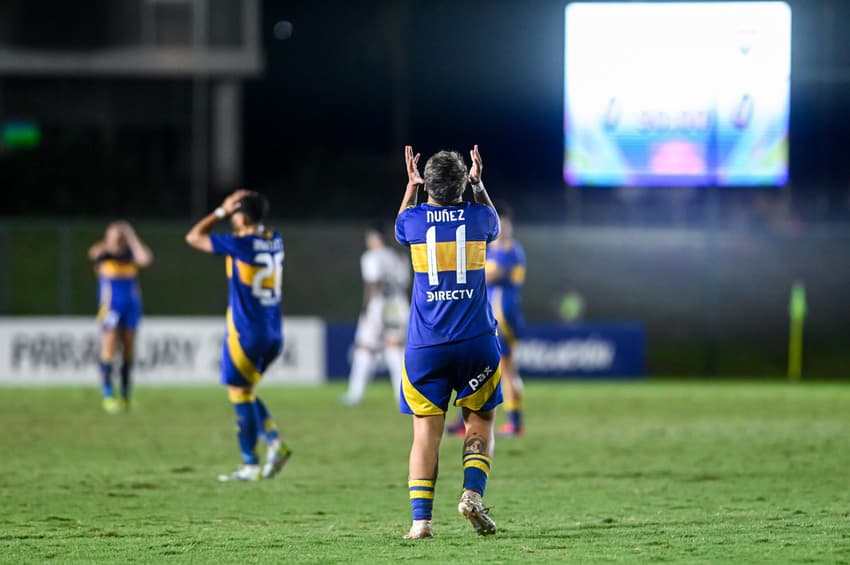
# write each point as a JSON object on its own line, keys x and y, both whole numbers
{"x": 449, "y": 294}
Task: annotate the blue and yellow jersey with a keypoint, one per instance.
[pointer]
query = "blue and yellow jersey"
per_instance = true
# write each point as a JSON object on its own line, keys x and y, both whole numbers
{"x": 505, "y": 293}
{"x": 118, "y": 282}
{"x": 448, "y": 249}
{"x": 254, "y": 267}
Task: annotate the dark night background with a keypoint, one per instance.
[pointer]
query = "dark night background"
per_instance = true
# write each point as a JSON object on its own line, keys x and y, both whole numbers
{"x": 708, "y": 271}
{"x": 324, "y": 125}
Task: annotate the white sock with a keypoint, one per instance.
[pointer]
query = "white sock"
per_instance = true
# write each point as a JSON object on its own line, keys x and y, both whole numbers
{"x": 394, "y": 356}
{"x": 361, "y": 372}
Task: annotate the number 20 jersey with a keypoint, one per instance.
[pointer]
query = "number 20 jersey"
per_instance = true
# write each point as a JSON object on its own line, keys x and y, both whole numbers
{"x": 448, "y": 249}
{"x": 254, "y": 272}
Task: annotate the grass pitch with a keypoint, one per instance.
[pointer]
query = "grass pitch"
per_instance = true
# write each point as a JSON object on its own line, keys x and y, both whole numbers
{"x": 608, "y": 472}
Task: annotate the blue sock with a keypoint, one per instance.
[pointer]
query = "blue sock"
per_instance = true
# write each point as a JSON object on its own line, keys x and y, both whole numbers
{"x": 515, "y": 418}
{"x": 106, "y": 378}
{"x": 126, "y": 381}
{"x": 246, "y": 422}
{"x": 476, "y": 469}
{"x": 267, "y": 427}
{"x": 421, "y": 497}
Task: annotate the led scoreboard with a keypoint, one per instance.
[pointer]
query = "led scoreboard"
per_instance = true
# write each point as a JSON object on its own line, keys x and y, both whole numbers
{"x": 677, "y": 94}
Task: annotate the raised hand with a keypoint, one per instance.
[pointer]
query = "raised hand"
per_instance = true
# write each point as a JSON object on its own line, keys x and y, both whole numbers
{"x": 129, "y": 232}
{"x": 477, "y": 166}
{"x": 411, "y": 161}
{"x": 232, "y": 201}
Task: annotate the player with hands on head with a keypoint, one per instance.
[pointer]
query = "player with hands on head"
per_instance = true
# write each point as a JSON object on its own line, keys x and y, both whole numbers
{"x": 118, "y": 258}
{"x": 254, "y": 338}
{"x": 451, "y": 343}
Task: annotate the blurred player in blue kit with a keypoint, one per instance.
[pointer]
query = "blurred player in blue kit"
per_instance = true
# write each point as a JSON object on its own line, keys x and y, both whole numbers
{"x": 451, "y": 342}
{"x": 505, "y": 273}
{"x": 254, "y": 338}
{"x": 505, "y": 277}
{"x": 118, "y": 258}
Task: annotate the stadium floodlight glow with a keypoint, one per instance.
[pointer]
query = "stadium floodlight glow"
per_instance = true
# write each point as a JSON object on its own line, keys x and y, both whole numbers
{"x": 677, "y": 94}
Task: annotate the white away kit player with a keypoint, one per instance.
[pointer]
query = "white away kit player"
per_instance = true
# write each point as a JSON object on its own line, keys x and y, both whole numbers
{"x": 383, "y": 322}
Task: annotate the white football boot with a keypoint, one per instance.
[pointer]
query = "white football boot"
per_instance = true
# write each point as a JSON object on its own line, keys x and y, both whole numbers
{"x": 421, "y": 529}
{"x": 472, "y": 508}
{"x": 243, "y": 473}
{"x": 276, "y": 457}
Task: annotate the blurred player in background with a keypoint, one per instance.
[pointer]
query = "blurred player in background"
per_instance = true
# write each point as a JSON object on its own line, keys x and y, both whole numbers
{"x": 383, "y": 321}
{"x": 254, "y": 263}
{"x": 505, "y": 277}
{"x": 451, "y": 341}
{"x": 505, "y": 272}
{"x": 117, "y": 258}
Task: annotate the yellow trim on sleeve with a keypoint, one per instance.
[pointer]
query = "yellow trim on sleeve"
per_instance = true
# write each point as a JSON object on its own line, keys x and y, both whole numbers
{"x": 476, "y": 254}
{"x": 228, "y": 266}
{"x": 478, "y": 398}
{"x": 417, "y": 401}
{"x": 244, "y": 365}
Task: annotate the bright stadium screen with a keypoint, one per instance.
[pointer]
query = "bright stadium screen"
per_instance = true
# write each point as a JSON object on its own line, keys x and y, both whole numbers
{"x": 677, "y": 94}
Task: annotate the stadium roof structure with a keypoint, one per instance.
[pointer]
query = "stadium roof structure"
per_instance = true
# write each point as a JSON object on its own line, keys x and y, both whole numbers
{"x": 154, "y": 38}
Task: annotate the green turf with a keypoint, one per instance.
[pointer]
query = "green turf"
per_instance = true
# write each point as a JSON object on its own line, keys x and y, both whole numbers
{"x": 608, "y": 472}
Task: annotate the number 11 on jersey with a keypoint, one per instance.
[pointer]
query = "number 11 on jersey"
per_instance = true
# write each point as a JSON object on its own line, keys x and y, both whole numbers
{"x": 460, "y": 254}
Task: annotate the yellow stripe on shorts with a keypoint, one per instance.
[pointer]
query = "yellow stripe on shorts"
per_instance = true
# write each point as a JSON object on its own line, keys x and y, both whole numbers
{"x": 244, "y": 365}
{"x": 417, "y": 401}
{"x": 480, "y": 397}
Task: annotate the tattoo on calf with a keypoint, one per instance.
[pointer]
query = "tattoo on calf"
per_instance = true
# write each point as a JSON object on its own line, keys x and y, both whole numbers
{"x": 475, "y": 444}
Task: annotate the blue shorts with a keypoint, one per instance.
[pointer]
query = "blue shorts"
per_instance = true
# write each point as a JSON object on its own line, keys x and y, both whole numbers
{"x": 470, "y": 367}
{"x": 124, "y": 315}
{"x": 511, "y": 326}
{"x": 243, "y": 362}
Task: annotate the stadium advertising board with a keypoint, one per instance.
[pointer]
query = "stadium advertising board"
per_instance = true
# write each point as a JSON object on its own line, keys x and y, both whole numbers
{"x": 546, "y": 350}
{"x": 677, "y": 94}
{"x": 170, "y": 351}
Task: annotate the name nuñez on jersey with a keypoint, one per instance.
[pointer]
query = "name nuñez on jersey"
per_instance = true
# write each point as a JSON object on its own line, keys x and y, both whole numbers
{"x": 434, "y": 216}
{"x": 463, "y": 294}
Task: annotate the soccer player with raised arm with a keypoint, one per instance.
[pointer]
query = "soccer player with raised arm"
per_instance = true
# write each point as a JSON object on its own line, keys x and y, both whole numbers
{"x": 118, "y": 258}
{"x": 451, "y": 340}
{"x": 383, "y": 322}
{"x": 254, "y": 338}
